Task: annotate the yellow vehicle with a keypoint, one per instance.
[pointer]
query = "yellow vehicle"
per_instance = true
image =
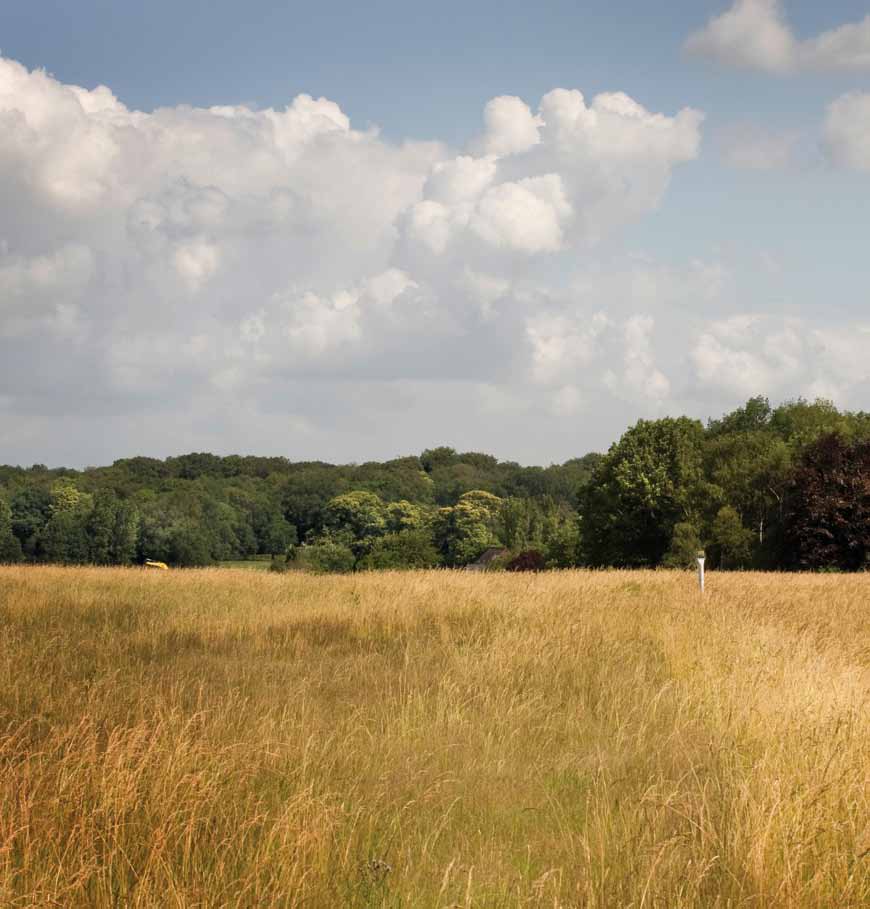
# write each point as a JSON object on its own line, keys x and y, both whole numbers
{"x": 162, "y": 566}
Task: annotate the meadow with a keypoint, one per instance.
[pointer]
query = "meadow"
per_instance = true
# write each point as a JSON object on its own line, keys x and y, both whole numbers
{"x": 259, "y": 564}
{"x": 228, "y": 738}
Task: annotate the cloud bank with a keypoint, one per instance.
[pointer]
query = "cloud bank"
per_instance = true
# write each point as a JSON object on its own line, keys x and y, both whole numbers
{"x": 278, "y": 280}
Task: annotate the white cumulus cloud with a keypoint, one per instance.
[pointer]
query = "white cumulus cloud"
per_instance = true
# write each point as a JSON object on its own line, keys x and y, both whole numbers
{"x": 279, "y": 280}
{"x": 640, "y": 377}
{"x": 511, "y": 127}
{"x": 751, "y": 354}
{"x": 756, "y": 34}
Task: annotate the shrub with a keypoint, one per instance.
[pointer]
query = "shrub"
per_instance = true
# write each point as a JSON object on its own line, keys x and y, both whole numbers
{"x": 411, "y": 549}
{"x": 326, "y": 557}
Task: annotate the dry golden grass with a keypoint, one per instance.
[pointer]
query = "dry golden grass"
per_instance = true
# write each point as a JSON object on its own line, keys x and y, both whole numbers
{"x": 436, "y": 739}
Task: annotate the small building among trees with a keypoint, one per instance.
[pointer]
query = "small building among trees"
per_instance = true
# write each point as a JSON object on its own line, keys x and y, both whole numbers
{"x": 487, "y": 557}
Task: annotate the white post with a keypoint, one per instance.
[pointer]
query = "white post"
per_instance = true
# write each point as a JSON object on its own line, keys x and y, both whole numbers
{"x": 701, "y": 572}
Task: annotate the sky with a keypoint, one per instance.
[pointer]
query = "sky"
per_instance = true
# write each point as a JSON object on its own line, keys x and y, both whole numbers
{"x": 345, "y": 231}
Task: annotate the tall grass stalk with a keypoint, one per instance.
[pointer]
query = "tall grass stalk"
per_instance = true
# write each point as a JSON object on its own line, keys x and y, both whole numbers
{"x": 227, "y": 738}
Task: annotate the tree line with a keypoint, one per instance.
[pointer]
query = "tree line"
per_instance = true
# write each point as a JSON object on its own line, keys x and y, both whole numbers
{"x": 762, "y": 487}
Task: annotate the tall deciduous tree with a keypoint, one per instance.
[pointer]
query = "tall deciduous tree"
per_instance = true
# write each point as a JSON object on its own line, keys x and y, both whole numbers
{"x": 405, "y": 516}
{"x": 65, "y": 538}
{"x": 752, "y": 468}
{"x": 122, "y": 548}
{"x": 31, "y": 511}
{"x": 100, "y": 526}
{"x": 649, "y": 481}
{"x": 362, "y": 514}
{"x": 277, "y": 535}
{"x": 685, "y": 546}
{"x": 828, "y": 512}
{"x": 753, "y": 416}
{"x": 464, "y": 531}
{"x": 306, "y": 493}
{"x": 801, "y": 422}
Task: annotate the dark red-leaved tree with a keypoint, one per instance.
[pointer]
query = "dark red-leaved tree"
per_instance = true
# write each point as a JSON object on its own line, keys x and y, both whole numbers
{"x": 827, "y": 520}
{"x": 529, "y": 560}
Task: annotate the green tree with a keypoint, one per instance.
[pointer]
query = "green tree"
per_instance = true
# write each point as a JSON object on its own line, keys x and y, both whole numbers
{"x": 217, "y": 524}
{"x": 122, "y": 548}
{"x": 801, "y": 422}
{"x": 100, "y": 527}
{"x": 685, "y": 546}
{"x": 433, "y": 458}
{"x": 520, "y": 523}
{"x": 362, "y": 514}
{"x": 755, "y": 415}
{"x": 731, "y": 541}
{"x": 452, "y": 481}
{"x": 464, "y": 531}
{"x": 277, "y": 536}
{"x": 411, "y": 549}
{"x": 196, "y": 464}
{"x": 10, "y": 548}
{"x": 650, "y": 480}
{"x": 305, "y": 494}
{"x": 31, "y": 511}
{"x": 752, "y": 469}
{"x": 111, "y": 527}
{"x": 403, "y": 516}
{"x": 246, "y": 539}
{"x": 67, "y": 497}
{"x": 562, "y": 547}
{"x": 189, "y": 547}
{"x": 64, "y": 539}
{"x": 395, "y": 481}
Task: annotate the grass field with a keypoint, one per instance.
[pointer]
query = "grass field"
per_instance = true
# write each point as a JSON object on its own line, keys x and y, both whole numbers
{"x": 225, "y": 738}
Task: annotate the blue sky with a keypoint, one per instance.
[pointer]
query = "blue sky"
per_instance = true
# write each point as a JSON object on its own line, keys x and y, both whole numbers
{"x": 634, "y": 276}
{"x": 422, "y": 70}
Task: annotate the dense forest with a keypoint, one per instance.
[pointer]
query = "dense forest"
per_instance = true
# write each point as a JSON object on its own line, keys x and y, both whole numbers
{"x": 761, "y": 487}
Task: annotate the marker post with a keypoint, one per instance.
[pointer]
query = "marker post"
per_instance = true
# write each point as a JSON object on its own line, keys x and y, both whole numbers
{"x": 701, "y": 560}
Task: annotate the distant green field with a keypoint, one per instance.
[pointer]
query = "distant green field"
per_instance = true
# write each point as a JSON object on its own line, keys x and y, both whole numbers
{"x": 247, "y": 564}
